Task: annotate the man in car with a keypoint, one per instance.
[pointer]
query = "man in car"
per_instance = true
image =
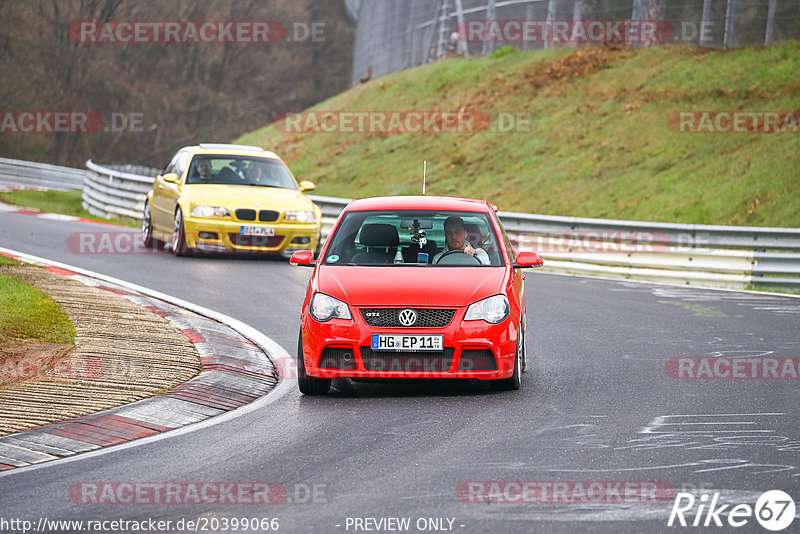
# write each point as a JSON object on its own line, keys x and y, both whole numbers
{"x": 204, "y": 170}
{"x": 455, "y": 234}
{"x": 254, "y": 174}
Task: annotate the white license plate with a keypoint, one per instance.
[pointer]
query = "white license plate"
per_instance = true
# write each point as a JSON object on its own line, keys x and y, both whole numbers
{"x": 267, "y": 231}
{"x": 406, "y": 342}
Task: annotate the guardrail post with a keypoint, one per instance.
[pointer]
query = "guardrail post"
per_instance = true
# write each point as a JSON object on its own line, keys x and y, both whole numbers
{"x": 770, "y": 22}
{"x": 577, "y": 8}
{"x": 730, "y": 13}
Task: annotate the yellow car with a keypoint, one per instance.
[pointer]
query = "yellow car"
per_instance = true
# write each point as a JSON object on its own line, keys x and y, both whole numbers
{"x": 230, "y": 198}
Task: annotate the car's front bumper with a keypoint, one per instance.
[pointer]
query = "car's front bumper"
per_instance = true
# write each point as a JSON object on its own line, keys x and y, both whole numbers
{"x": 219, "y": 235}
{"x": 325, "y": 345}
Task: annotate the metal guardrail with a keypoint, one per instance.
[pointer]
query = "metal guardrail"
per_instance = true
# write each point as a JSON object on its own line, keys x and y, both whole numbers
{"x": 20, "y": 173}
{"x": 718, "y": 256}
{"x": 696, "y": 255}
{"x": 116, "y": 190}
{"x": 733, "y": 257}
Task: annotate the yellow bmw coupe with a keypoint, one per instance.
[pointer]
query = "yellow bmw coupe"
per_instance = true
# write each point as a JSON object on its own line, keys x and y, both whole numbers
{"x": 230, "y": 198}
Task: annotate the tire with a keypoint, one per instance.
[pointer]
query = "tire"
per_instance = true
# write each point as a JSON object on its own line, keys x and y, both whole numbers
{"x": 513, "y": 382}
{"x": 524, "y": 346}
{"x": 309, "y": 385}
{"x": 147, "y": 227}
{"x": 179, "y": 247}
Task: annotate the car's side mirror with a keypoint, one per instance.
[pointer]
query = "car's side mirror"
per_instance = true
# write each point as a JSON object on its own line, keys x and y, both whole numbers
{"x": 303, "y": 257}
{"x": 171, "y": 177}
{"x": 305, "y": 185}
{"x": 528, "y": 259}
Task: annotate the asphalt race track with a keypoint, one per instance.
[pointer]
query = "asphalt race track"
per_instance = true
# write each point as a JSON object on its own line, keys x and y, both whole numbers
{"x": 597, "y": 405}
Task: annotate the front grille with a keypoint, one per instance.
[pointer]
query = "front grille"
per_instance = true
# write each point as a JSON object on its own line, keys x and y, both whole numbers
{"x": 337, "y": 358}
{"x": 477, "y": 360}
{"x": 408, "y": 362}
{"x": 246, "y": 214}
{"x": 255, "y": 240}
{"x": 268, "y": 215}
{"x": 388, "y": 317}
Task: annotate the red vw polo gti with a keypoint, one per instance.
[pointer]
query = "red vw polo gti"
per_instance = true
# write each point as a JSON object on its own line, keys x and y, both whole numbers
{"x": 413, "y": 288}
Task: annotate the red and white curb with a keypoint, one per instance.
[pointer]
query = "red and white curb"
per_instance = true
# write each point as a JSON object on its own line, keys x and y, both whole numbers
{"x": 238, "y": 370}
{"x": 10, "y": 208}
{"x": 5, "y": 188}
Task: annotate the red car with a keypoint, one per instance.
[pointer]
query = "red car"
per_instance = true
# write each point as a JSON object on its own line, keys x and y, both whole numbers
{"x": 414, "y": 287}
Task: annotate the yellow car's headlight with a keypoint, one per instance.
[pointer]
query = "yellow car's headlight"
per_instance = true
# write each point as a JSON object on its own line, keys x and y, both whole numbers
{"x": 300, "y": 216}
{"x": 210, "y": 211}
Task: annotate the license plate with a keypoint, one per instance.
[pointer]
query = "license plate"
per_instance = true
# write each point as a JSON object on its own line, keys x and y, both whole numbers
{"x": 406, "y": 342}
{"x": 267, "y": 231}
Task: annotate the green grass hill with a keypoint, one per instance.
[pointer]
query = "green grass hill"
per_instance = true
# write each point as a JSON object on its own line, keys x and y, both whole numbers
{"x": 602, "y": 141}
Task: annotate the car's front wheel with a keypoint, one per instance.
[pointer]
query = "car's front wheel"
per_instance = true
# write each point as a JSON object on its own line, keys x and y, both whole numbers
{"x": 179, "y": 247}
{"x": 147, "y": 226}
{"x": 309, "y": 385}
{"x": 514, "y": 381}
{"x": 524, "y": 346}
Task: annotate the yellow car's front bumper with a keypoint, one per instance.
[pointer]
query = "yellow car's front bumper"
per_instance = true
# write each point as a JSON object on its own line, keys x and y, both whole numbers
{"x": 220, "y": 235}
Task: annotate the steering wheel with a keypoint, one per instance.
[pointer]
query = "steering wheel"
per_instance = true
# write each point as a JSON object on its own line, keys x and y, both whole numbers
{"x": 450, "y": 252}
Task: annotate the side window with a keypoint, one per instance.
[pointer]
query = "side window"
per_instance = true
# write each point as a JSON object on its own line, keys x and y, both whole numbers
{"x": 510, "y": 248}
{"x": 171, "y": 165}
{"x": 181, "y": 163}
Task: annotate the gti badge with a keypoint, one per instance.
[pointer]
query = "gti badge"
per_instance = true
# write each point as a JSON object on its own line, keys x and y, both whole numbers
{"x": 407, "y": 317}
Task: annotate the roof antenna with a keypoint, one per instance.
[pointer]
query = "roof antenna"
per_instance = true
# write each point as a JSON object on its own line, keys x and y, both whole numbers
{"x": 424, "y": 174}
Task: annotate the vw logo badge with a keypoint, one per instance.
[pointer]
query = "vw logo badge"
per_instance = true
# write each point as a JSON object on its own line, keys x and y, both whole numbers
{"x": 407, "y": 317}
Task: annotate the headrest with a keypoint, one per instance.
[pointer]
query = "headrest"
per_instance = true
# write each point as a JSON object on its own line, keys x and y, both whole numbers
{"x": 473, "y": 232}
{"x": 379, "y": 235}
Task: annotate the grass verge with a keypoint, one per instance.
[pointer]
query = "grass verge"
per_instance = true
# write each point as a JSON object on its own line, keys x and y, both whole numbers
{"x": 61, "y": 202}
{"x": 28, "y": 314}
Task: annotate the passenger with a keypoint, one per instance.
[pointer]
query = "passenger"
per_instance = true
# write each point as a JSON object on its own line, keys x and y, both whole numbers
{"x": 455, "y": 234}
{"x": 255, "y": 174}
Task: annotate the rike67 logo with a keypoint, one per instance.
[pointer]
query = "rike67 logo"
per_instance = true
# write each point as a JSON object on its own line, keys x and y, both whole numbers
{"x": 774, "y": 511}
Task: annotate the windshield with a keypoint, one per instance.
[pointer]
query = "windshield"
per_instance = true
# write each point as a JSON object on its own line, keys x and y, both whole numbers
{"x": 240, "y": 170}
{"x": 424, "y": 237}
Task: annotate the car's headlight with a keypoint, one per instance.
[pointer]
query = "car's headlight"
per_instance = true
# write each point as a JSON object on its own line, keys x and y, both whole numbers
{"x": 300, "y": 216}
{"x": 210, "y": 211}
{"x": 324, "y": 308}
{"x": 493, "y": 309}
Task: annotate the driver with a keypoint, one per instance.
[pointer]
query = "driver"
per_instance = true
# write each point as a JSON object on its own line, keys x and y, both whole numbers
{"x": 204, "y": 170}
{"x": 455, "y": 234}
